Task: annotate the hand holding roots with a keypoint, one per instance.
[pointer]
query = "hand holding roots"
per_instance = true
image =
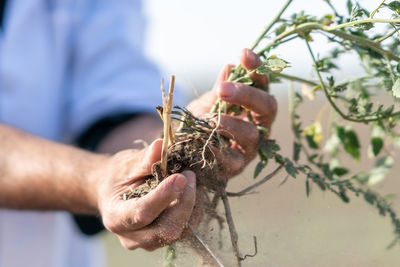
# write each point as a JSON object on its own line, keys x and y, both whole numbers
{"x": 191, "y": 147}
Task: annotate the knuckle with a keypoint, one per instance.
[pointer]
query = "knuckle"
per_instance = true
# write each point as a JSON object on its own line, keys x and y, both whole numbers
{"x": 129, "y": 245}
{"x": 236, "y": 163}
{"x": 111, "y": 225}
{"x": 141, "y": 218}
{"x": 253, "y": 136}
{"x": 273, "y": 104}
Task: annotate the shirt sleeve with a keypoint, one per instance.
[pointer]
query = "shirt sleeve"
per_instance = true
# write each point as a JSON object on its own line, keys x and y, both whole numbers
{"x": 109, "y": 72}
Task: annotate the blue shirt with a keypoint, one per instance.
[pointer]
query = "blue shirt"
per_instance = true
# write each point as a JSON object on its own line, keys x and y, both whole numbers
{"x": 64, "y": 64}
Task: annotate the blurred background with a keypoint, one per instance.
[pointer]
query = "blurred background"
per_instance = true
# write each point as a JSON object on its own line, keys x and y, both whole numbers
{"x": 194, "y": 40}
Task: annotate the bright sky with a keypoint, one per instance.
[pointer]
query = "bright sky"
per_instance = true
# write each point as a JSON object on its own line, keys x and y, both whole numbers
{"x": 195, "y": 39}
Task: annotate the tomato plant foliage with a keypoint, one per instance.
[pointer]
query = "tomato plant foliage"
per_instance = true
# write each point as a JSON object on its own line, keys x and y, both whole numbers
{"x": 370, "y": 100}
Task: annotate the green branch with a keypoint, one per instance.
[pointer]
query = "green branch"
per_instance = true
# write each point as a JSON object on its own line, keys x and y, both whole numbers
{"x": 364, "y": 21}
{"x": 389, "y": 67}
{"x": 335, "y": 107}
{"x": 336, "y": 31}
{"x": 376, "y": 9}
{"x": 295, "y": 79}
{"x": 383, "y": 38}
{"x": 269, "y": 26}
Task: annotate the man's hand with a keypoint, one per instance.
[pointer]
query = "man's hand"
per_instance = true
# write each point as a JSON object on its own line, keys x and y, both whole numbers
{"x": 154, "y": 220}
{"x": 160, "y": 217}
{"x": 243, "y": 134}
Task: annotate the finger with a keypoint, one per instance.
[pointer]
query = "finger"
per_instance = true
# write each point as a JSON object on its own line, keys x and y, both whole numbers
{"x": 223, "y": 75}
{"x": 175, "y": 219}
{"x": 147, "y": 158}
{"x": 143, "y": 211}
{"x": 251, "y": 61}
{"x": 230, "y": 162}
{"x": 205, "y": 103}
{"x": 170, "y": 225}
{"x": 262, "y": 104}
{"x": 244, "y": 133}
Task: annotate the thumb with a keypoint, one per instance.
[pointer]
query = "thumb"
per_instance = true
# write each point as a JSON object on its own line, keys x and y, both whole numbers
{"x": 147, "y": 158}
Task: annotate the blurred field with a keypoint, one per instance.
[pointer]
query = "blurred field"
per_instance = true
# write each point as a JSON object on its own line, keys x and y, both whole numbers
{"x": 293, "y": 230}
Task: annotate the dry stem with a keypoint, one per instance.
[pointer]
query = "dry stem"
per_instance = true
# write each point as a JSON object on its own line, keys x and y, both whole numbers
{"x": 232, "y": 229}
{"x": 166, "y": 113}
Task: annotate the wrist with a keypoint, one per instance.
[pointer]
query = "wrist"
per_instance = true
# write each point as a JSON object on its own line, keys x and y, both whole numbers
{"x": 94, "y": 176}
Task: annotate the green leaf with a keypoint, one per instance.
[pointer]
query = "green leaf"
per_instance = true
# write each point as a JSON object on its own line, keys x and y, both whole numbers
{"x": 272, "y": 65}
{"x": 267, "y": 149}
{"x": 296, "y": 151}
{"x": 313, "y": 134}
{"x": 377, "y": 144}
{"x": 362, "y": 178}
{"x": 388, "y": 111}
{"x": 396, "y": 88}
{"x": 395, "y": 6}
{"x": 381, "y": 169}
{"x": 263, "y": 69}
{"x": 343, "y": 195}
{"x": 284, "y": 180}
{"x": 262, "y": 130}
{"x": 326, "y": 170}
{"x": 352, "y": 146}
{"x": 340, "y": 171}
{"x": 370, "y": 198}
{"x": 260, "y": 166}
{"x": 307, "y": 188}
{"x": 175, "y": 112}
{"x": 341, "y": 133}
{"x": 279, "y": 159}
{"x": 235, "y": 109}
{"x": 280, "y": 29}
{"x": 245, "y": 80}
{"x": 313, "y": 157}
{"x": 290, "y": 168}
{"x": 349, "y": 5}
{"x": 349, "y": 140}
{"x": 276, "y": 64}
{"x": 365, "y": 26}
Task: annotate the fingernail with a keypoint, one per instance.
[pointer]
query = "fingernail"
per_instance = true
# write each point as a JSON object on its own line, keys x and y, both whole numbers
{"x": 250, "y": 55}
{"x": 180, "y": 183}
{"x": 227, "y": 90}
{"x": 191, "y": 178}
{"x": 253, "y": 61}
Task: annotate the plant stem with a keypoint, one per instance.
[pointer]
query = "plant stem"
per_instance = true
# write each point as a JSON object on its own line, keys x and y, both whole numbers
{"x": 335, "y": 30}
{"x": 332, "y": 7}
{"x": 389, "y": 67}
{"x": 269, "y": 26}
{"x": 255, "y": 185}
{"x": 170, "y": 256}
{"x": 335, "y": 107}
{"x": 376, "y": 9}
{"x": 357, "y": 22}
{"x": 281, "y": 42}
{"x": 231, "y": 226}
{"x": 295, "y": 79}
{"x": 168, "y": 135}
{"x": 383, "y": 38}
{"x": 323, "y": 84}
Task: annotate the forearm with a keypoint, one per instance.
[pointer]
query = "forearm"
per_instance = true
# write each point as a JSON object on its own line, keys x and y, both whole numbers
{"x": 43, "y": 175}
